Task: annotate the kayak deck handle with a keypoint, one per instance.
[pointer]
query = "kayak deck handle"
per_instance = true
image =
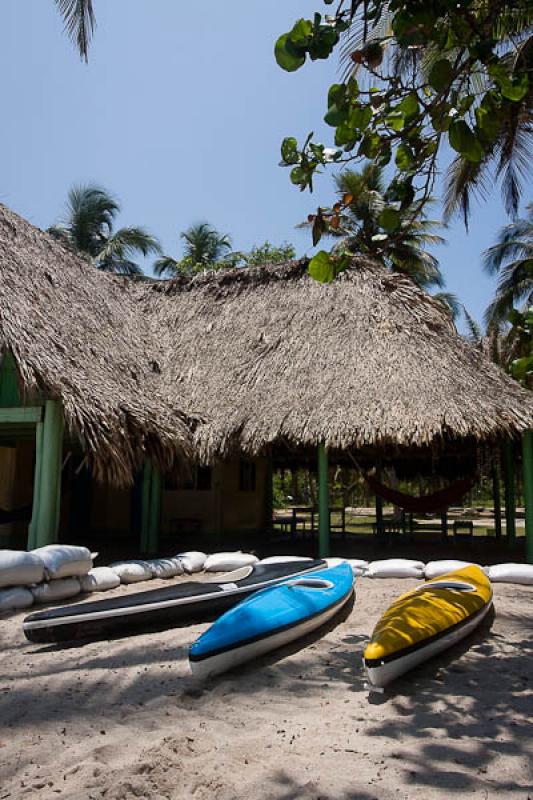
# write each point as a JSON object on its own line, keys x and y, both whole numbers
{"x": 310, "y": 583}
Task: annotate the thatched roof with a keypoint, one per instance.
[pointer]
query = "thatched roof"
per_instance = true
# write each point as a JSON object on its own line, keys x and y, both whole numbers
{"x": 76, "y": 334}
{"x": 268, "y": 354}
{"x": 261, "y": 356}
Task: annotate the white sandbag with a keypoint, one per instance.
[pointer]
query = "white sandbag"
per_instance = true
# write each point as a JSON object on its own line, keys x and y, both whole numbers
{"x": 395, "y": 568}
{"x": 192, "y": 561}
{"x": 165, "y": 567}
{"x": 283, "y": 559}
{"x": 99, "y": 579}
{"x": 226, "y": 562}
{"x": 64, "y": 560}
{"x": 16, "y": 597}
{"x": 511, "y": 573}
{"x": 359, "y": 566}
{"x": 434, "y": 569}
{"x": 60, "y": 589}
{"x": 132, "y": 571}
{"x": 334, "y": 562}
{"x": 18, "y": 568}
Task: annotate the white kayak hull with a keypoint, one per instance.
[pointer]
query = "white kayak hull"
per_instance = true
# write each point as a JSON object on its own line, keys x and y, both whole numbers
{"x": 380, "y": 676}
{"x": 222, "y": 662}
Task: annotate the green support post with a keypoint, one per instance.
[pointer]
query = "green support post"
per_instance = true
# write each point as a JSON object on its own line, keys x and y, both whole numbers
{"x": 323, "y": 503}
{"x": 32, "y": 530}
{"x": 379, "y": 505}
{"x": 145, "y": 506}
{"x": 48, "y": 502}
{"x": 510, "y": 493}
{"x": 155, "y": 513}
{"x": 527, "y": 459}
{"x": 497, "y": 501}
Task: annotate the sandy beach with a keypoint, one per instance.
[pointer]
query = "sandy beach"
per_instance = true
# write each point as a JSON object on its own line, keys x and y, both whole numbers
{"x": 123, "y": 719}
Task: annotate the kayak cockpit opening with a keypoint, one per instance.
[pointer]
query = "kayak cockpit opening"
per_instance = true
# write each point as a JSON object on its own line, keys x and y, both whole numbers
{"x": 310, "y": 583}
{"x": 457, "y": 586}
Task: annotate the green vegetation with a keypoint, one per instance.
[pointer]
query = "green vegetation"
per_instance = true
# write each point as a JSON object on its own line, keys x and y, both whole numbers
{"x": 206, "y": 248}
{"x": 420, "y": 77}
{"x": 88, "y": 229}
{"x": 511, "y": 258}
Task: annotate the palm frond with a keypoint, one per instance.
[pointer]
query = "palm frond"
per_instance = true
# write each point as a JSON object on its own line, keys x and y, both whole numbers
{"x": 465, "y": 180}
{"x": 165, "y": 267}
{"x": 450, "y": 302}
{"x": 475, "y": 334}
{"x": 80, "y": 22}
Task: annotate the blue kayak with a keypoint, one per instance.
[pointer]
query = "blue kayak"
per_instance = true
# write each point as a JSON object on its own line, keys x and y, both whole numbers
{"x": 270, "y": 619}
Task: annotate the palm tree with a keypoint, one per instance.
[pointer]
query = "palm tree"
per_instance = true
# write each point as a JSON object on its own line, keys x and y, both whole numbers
{"x": 88, "y": 229}
{"x": 204, "y": 249}
{"x": 80, "y": 22}
{"x": 508, "y": 158}
{"x": 512, "y": 259}
{"x": 359, "y": 229}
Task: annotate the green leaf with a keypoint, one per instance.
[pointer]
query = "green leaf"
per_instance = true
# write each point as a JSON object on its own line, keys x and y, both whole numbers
{"x": 289, "y": 150}
{"x": 287, "y": 57}
{"x": 464, "y": 141}
{"x": 319, "y": 226}
{"x": 359, "y": 117}
{"x": 335, "y": 116}
{"x": 404, "y": 157}
{"x": 324, "y": 267}
{"x": 298, "y": 176}
{"x": 488, "y": 121}
{"x": 337, "y": 95}
{"x": 370, "y": 145}
{"x": 409, "y": 105}
{"x": 302, "y": 33}
{"x": 395, "y": 120}
{"x": 323, "y": 42}
{"x": 390, "y": 220}
{"x": 512, "y": 87}
{"x": 441, "y": 75}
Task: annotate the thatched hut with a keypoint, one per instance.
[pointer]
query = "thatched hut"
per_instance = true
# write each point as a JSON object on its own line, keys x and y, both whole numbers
{"x": 368, "y": 361}
{"x": 72, "y": 337}
{"x": 231, "y": 368}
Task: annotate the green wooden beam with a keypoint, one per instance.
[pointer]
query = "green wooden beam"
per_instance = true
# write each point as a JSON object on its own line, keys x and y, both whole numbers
{"x": 527, "y": 458}
{"x": 146, "y": 492}
{"x": 510, "y": 493}
{"x": 32, "y": 530}
{"x": 323, "y": 503}
{"x": 154, "y": 520}
{"x": 379, "y": 504}
{"x": 50, "y": 478}
{"x": 497, "y": 500}
{"x": 9, "y": 385}
{"x": 21, "y": 415}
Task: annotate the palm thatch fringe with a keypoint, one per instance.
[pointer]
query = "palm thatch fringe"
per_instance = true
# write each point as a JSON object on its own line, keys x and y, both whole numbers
{"x": 268, "y": 354}
{"x": 77, "y": 335}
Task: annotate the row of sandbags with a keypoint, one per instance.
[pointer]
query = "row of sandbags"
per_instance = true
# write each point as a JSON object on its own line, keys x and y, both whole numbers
{"x": 45, "y": 575}
{"x": 409, "y": 568}
{"x": 60, "y": 572}
{"x": 190, "y": 562}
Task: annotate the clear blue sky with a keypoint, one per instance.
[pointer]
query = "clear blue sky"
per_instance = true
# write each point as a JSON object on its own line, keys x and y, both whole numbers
{"x": 180, "y": 113}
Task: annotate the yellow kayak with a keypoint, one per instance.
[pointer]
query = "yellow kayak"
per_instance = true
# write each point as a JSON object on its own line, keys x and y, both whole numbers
{"x": 425, "y": 621}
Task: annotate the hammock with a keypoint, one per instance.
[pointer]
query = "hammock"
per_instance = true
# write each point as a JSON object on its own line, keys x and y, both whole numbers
{"x": 429, "y": 503}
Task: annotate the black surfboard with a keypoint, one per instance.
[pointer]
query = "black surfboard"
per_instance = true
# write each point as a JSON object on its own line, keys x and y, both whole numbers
{"x": 156, "y": 609}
